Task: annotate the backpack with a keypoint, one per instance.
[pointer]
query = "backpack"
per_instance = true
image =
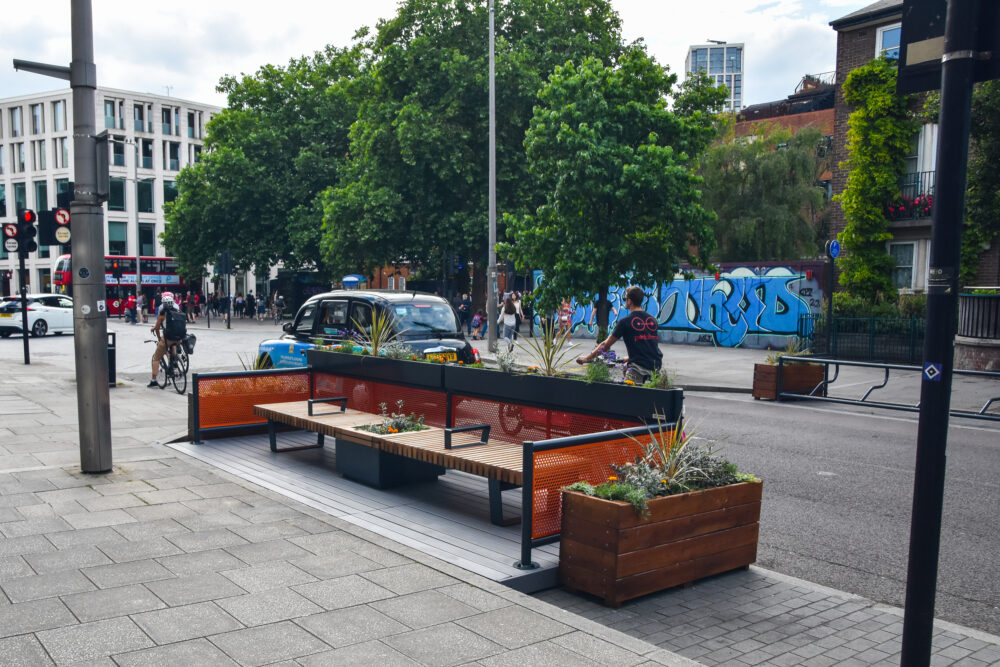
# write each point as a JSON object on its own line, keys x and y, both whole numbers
{"x": 174, "y": 325}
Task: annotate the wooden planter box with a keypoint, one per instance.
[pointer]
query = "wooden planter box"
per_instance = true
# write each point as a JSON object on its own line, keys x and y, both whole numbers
{"x": 797, "y": 378}
{"x": 608, "y": 550}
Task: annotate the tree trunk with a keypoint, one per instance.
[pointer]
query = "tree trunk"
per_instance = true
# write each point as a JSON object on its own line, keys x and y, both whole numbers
{"x": 603, "y": 307}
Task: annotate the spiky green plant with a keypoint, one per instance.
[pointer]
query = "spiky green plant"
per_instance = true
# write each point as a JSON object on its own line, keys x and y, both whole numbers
{"x": 549, "y": 351}
{"x": 381, "y": 332}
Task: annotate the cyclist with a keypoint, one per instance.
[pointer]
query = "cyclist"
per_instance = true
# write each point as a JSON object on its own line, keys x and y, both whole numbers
{"x": 173, "y": 322}
{"x": 638, "y": 330}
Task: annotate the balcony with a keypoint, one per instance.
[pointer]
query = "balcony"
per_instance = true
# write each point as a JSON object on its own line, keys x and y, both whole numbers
{"x": 109, "y": 122}
{"x": 174, "y": 165}
{"x": 147, "y": 163}
{"x": 916, "y": 197}
{"x": 166, "y": 128}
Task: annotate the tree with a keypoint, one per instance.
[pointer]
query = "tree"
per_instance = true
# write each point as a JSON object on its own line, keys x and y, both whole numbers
{"x": 415, "y": 186}
{"x": 879, "y": 133}
{"x": 982, "y": 205}
{"x": 281, "y": 140}
{"x": 764, "y": 194}
{"x": 616, "y": 166}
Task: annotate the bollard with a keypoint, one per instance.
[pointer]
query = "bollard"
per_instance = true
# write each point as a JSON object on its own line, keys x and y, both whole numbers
{"x": 112, "y": 352}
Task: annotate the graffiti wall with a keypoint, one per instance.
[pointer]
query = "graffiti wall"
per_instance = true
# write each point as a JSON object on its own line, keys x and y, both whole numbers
{"x": 743, "y": 306}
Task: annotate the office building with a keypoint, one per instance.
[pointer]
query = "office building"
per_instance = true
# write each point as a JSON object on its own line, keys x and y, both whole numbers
{"x": 724, "y": 63}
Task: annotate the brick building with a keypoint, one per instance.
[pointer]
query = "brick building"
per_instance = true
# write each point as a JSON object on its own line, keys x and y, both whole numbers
{"x": 861, "y": 37}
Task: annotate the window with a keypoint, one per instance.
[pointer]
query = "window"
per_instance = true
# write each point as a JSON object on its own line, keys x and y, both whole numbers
{"x": 165, "y": 120}
{"x": 3, "y": 159}
{"x": 191, "y": 132}
{"x": 147, "y": 153}
{"x": 304, "y": 325}
{"x": 361, "y": 317}
{"x": 3, "y": 200}
{"x": 145, "y": 189}
{"x": 109, "y": 114}
{"x": 169, "y": 191}
{"x": 45, "y": 278}
{"x": 887, "y": 41}
{"x": 59, "y": 116}
{"x": 16, "y": 129}
{"x": 62, "y": 187}
{"x": 195, "y": 154}
{"x": 147, "y": 239}
{"x": 38, "y": 155}
{"x": 118, "y": 151}
{"x": 17, "y": 157}
{"x": 699, "y": 60}
{"x": 41, "y": 196}
{"x": 37, "y": 119}
{"x": 60, "y": 150}
{"x": 116, "y": 198}
{"x": 903, "y": 255}
{"x": 734, "y": 59}
{"x": 138, "y": 117}
{"x": 333, "y": 319}
{"x": 716, "y": 60}
{"x": 20, "y": 195}
{"x": 171, "y": 155}
{"x": 117, "y": 238}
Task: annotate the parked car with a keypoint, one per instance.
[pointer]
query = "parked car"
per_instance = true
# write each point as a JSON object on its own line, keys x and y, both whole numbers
{"x": 424, "y": 322}
{"x": 46, "y": 312}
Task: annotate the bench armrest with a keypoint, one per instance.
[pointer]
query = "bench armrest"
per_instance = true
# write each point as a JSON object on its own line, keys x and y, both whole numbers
{"x": 461, "y": 429}
{"x": 338, "y": 399}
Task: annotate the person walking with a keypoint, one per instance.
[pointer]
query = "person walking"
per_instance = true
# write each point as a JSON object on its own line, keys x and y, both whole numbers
{"x": 639, "y": 331}
{"x": 465, "y": 313}
{"x": 508, "y": 318}
{"x": 518, "y": 314}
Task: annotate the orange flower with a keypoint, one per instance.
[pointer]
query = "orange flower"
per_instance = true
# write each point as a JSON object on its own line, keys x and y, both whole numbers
{"x": 460, "y": 361}
{"x": 612, "y": 478}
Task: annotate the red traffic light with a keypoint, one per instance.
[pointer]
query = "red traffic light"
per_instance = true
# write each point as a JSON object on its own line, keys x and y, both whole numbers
{"x": 29, "y": 216}
{"x": 114, "y": 265}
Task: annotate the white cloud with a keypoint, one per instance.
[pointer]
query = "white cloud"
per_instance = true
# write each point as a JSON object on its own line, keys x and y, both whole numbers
{"x": 188, "y": 46}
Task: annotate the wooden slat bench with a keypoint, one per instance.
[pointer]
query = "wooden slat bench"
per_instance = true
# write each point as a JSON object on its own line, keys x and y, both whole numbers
{"x": 364, "y": 453}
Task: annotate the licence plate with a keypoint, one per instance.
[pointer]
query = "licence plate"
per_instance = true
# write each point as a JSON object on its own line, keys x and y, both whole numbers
{"x": 6, "y": 315}
{"x": 443, "y": 356}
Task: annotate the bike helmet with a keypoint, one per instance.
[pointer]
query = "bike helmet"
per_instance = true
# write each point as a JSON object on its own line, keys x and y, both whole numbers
{"x": 167, "y": 299}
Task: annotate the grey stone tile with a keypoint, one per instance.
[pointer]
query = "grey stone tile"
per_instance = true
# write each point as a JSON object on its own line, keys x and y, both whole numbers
{"x": 604, "y": 653}
{"x": 89, "y": 641}
{"x": 266, "y": 644}
{"x": 191, "y": 621}
{"x": 419, "y": 610}
{"x": 38, "y": 526}
{"x": 195, "y": 653}
{"x": 221, "y": 490}
{"x": 148, "y": 529}
{"x": 335, "y": 565}
{"x": 215, "y": 560}
{"x": 46, "y": 585}
{"x": 34, "y": 616}
{"x": 194, "y": 588}
{"x": 425, "y": 646}
{"x": 18, "y": 499}
{"x": 231, "y": 507}
{"x": 353, "y": 625}
{"x": 23, "y": 651}
{"x": 541, "y": 654}
{"x": 110, "y": 602}
{"x": 122, "y": 574}
{"x": 343, "y": 592}
{"x": 98, "y": 519}
{"x": 514, "y": 627}
{"x": 75, "y": 538}
{"x": 329, "y": 543}
{"x": 203, "y": 540}
{"x": 384, "y": 557}
{"x": 117, "y": 488}
{"x": 274, "y": 530}
{"x": 63, "y": 495}
{"x": 409, "y": 578}
{"x": 14, "y": 567}
{"x": 279, "y": 604}
{"x": 276, "y": 574}
{"x": 29, "y": 544}
{"x": 120, "y": 501}
{"x": 260, "y": 552}
{"x": 175, "y": 482}
{"x": 155, "y": 547}
{"x": 359, "y": 655}
{"x": 166, "y": 496}
{"x": 475, "y": 597}
{"x": 157, "y": 512}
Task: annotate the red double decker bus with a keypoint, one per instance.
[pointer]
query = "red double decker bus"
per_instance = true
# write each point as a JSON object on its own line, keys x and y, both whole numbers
{"x": 157, "y": 272}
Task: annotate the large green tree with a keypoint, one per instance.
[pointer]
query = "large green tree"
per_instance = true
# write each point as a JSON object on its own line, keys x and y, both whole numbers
{"x": 617, "y": 169}
{"x": 281, "y": 140}
{"x": 880, "y": 131}
{"x": 982, "y": 205}
{"x": 764, "y": 194}
{"x": 416, "y": 182}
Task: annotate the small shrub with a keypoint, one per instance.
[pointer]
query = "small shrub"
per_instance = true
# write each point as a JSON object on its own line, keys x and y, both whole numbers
{"x": 507, "y": 361}
{"x": 660, "y": 379}
{"x": 912, "y": 305}
{"x": 795, "y": 347}
{"x": 597, "y": 371}
{"x": 397, "y": 350}
{"x": 395, "y": 422}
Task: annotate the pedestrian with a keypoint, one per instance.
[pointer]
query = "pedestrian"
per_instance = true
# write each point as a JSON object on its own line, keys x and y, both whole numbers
{"x": 477, "y": 325}
{"x": 140, "y": 304}
{"x": 190, "y": 306}
{"x": 130, "y": 306}
{"x": 261, "y": 308}
{"x": 197, "y": 304}
{"x": 251, "y": 305}
{"x": 157, "y": 301}
{"x": 465, "y": 313}
{"x": 566, "y": 319}
{"x": 518, "y": 314}
{"x": 528, "y": 308}
{"x": 508, "y": 318}
{"x": 639, "y": 331}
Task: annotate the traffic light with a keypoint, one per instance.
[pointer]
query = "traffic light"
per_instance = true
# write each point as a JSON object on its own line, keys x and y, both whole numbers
{"x": 26, "y": 232}
{"x": 116, "y": 271}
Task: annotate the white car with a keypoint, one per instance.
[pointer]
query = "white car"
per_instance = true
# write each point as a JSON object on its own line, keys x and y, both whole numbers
{"x": 46, "y": 312}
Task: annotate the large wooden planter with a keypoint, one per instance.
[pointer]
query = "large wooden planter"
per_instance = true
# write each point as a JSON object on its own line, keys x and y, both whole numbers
{"x": 796, "y": 379}
{"x": 608, "y": 550}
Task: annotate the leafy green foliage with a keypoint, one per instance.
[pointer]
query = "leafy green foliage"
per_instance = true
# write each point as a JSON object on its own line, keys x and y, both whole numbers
{"x": 396, "y": 422}
{"x": 615, "y": 165}
{"x": 982, "y": 204}
{"x": 597, "y": 371}
{"x": 280, "y": 141}
{"x": 880, "y": 130}
{"x": 660, "y": 379}
{"x": 549, "y": 350}
{"x": 764, "y": 194}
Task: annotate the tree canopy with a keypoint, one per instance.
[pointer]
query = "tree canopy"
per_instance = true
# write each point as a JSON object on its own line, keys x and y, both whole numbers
{"x": 982, "y": 205}
{"x": 764, "y": 194}
{"x": 616, "y": 167}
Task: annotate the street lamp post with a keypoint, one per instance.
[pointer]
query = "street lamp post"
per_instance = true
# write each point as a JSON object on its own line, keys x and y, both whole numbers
{"x": 491, "y": 287}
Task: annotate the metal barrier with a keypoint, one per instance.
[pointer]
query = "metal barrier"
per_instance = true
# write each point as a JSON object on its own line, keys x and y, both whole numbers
{"x": 979, "y": 316}
{"x": 549, "y": 465}
{"x": 883, "y": 339}
{"x": 223, "y": 402}
{"x": 837, "y": 363}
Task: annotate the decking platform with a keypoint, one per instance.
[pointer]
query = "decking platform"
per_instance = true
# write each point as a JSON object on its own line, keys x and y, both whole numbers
{"x": 448, "y": 519}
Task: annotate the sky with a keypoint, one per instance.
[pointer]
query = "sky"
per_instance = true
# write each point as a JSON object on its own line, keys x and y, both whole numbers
{"x": 182, "y": 48}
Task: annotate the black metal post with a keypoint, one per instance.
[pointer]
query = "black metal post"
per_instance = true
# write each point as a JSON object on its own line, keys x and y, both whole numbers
{"x": 23, "y": 273}
{"x": 527, "y": 501}
{"x": 829, "y": 304}
{"x": 942, "y": 302}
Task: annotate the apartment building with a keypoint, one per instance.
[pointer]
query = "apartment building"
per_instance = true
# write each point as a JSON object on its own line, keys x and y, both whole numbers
{"x": 724, "y": 64}
{"x": 152, "y": 138}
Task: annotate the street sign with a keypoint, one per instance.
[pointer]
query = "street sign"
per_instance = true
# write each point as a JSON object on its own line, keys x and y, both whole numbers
{"x": 62, "y": 216}
{"x": 921, "y": 44}
{"x": 10, "y": 231}
{"x": 10, "y": 245}
{"x": 63, "y": 234}
{"x": 833, "y": 249}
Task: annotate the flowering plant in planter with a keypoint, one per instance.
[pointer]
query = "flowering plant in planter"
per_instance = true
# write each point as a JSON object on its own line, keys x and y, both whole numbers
{"x": 395, "y": 422}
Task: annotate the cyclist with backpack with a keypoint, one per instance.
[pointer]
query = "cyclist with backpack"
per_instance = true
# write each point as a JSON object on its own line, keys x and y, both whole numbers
{"x": 174, "y": 325}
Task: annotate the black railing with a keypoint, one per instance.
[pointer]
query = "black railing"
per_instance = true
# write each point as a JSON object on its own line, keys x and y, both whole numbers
{"x": 916, "y": 196}
{"x": 979, "y": 316}
{"x": 897, "y": 339}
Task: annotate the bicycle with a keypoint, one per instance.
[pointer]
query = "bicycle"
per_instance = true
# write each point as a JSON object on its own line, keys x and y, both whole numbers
{"x": 175, "y": 370}
{"x": 278, "y": 314}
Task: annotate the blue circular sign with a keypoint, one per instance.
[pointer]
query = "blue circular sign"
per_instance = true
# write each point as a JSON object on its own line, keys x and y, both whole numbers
{"x": 834, "y": 249}
{"x": 84, "y": 272}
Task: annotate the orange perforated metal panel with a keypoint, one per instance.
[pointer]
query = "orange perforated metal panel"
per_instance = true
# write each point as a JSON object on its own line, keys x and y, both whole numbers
{"x": 556, "y": 468}
{"x": 513, "y": 422}
{"x": 367, "y": 395}
{"x": 229, "y": 400}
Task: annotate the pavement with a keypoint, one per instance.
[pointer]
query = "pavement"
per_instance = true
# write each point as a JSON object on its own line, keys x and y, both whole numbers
{"x": 166, "y": 560}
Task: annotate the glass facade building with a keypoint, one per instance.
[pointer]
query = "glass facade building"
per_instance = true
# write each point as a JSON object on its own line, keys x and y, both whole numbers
{"x": 724, "y": 64}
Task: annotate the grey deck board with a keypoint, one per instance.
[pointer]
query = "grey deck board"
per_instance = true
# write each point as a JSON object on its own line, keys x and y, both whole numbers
{"x": 448, "y": 519}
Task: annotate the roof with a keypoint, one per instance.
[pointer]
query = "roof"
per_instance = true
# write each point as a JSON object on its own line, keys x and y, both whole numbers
{"x": 882, "y": 9}
{"x": 394, "y": 296}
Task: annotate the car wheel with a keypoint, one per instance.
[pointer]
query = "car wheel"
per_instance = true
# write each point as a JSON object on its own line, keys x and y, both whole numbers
{"x": 39, "y": 328}
{"x": 57, "y": 333}
{"x": 4, "y": 334}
